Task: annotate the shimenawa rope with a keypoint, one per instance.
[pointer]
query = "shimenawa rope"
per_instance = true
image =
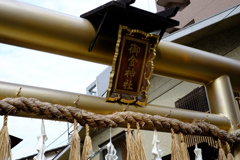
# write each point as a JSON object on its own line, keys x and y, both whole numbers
{"x": 11, "y": 106}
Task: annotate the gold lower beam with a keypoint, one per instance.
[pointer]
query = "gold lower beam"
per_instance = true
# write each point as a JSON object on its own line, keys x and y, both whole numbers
{"x": 42, "y": 29}
{"x": 99, "y": 105}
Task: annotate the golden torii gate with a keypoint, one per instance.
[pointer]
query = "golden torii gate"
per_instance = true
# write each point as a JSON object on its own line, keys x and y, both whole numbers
{"x": 41, "y": 29}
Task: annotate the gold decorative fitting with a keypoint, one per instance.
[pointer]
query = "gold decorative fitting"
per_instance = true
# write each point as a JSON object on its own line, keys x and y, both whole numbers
{"x": 238, "y": 126}
{"x": 19, "y": 91}
{"x": 76, "y": 102}
{"x": 206, "y": 118}
{"x": 237, "y": 98}
{"x": 125, "y": 109}
{"x": 168, "y": 115}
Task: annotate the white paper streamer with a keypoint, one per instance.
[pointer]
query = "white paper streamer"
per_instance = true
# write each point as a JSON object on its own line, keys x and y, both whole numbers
{"x": 198, "y": 153}
{"x": 111, "y": 151}
{"x": 41, "y": 147}
{"x": 156, "y": 151}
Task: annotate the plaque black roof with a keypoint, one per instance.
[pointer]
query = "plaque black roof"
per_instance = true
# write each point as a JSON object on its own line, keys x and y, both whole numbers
{"x": 132, "y": 17}
{"x": 110, "y": 15}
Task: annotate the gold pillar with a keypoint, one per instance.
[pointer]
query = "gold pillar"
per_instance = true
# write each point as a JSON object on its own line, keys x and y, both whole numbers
{"x": 222, "y": 101}
{"x": 99, "y": 104}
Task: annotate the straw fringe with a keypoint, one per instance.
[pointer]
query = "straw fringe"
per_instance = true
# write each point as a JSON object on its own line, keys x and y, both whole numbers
{"x": 221, "y": 153}
{"x": 5, "y": 144}
{"x": 75, "y": 144}
{"x": 175, "y": 147}
{"x": 139, "y": 143}
{"x": 87, "y": 147}
{"x": 184, "y": 150}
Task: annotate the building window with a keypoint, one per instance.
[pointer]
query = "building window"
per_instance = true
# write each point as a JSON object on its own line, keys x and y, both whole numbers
{"x": 196, "y": 100}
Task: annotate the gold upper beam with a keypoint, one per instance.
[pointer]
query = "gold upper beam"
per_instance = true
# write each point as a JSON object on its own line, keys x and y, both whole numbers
{"x": 42, "y": 29}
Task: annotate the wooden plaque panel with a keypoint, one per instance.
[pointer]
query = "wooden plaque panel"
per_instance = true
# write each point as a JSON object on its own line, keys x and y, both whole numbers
{"x": 132, "y": 66}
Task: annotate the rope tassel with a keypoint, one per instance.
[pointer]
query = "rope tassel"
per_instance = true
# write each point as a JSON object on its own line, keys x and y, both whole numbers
{"x": 221, "y": 153}
{"x": 75, "y": 144}
{"x": 87, "y": 147}
{"x": 5, "y": 146}
{"x": 175, "y": 147}
{"x": 139, "y": 144}
{"x": 131, "y": 145}
{"x": 184, "y": 150}
{"x": 229, "y": 155}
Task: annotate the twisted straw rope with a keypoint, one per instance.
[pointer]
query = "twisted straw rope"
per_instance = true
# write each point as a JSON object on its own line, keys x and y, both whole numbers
{"x": 75, "y": 125}
{"x": 5, "y": 120}
{"x": 11, "y": 106}
{"x": 228, "y": 147}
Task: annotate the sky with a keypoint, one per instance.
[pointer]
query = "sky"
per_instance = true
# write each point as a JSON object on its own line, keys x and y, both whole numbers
{"x": 34, "y": 68}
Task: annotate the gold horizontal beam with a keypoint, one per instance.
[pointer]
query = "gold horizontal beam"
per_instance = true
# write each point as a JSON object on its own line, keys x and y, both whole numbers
{"x": 42, "y": 29}
{"x": 99, "y": 105}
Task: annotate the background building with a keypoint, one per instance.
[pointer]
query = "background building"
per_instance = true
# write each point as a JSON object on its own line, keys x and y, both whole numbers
{"x": 211, "y": 26}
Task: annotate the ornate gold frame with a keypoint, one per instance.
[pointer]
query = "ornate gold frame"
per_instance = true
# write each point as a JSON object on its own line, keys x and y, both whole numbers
{"x": 120, "y": 89}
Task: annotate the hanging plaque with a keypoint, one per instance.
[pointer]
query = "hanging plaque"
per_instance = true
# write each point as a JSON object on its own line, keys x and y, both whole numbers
{"x": 132, "y": 66}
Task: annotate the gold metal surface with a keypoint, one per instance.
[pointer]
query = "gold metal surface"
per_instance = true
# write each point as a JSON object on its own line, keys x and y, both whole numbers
{"x": 189, "y": 64}
{"x": 98, "y": 104}
{"x": 41, "y": 29}
{"x": 221, "y": 99}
